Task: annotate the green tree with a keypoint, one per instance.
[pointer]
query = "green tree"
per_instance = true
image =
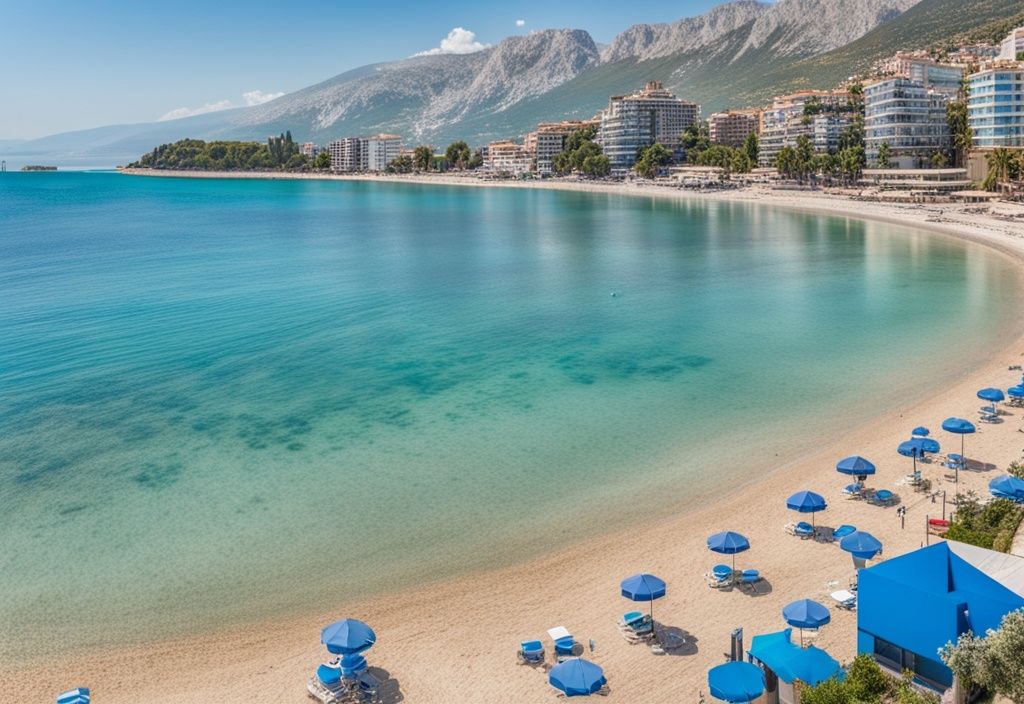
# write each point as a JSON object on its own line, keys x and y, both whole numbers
{"x": 401, "y": 165}
{"x": 866, "y": 680}
{"x": 752, "y": 147}
{"x": 694, "y": 140}
{"x": 884, "y": 154}
{"x": 458, "y": 155}
{"x": 579, "y": 148}
{"x": 296, "y": 162}
{"x": 651, "y": 159}
{"x": 959, "y": 129}
{"x": 939, "y": 160}
{"x": 597, "y": 165}
{"x": 786, "y": 162}
{"x": 994, "y": 662}
{"x": 1001, "y": 161}
{"x": 477, "y": 160}
{"x": 322, "y": 161}
{"x": 421, "y": 158}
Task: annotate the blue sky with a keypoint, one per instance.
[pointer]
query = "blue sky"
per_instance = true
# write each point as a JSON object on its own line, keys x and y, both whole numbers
{"x": 72, "y": 64}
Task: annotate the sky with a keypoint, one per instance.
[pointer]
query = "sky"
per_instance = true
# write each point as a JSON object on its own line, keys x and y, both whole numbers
{"x": 75, "y": 64}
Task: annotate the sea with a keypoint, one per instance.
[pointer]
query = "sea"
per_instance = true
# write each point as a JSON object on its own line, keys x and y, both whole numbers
{"x": 230, "y": 400}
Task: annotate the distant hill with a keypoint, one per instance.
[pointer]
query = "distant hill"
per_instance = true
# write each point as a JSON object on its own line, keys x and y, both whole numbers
{"x": 738, "y": 54}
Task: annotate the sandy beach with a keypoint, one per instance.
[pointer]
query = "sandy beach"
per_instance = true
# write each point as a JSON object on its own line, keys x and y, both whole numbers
{"x": 455, "y": 641}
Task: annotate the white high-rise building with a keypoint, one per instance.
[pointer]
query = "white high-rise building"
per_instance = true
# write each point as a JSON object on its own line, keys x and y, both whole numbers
{"x": 633, "y": 122}
{"x": 995, "y": 105}
{"x": 381, "y": 150}
{"x": 1013, "y": 46}
{"x": 348, "y": 154}
{"x": 908, "y": 117}
{"x": 821, "y": 116}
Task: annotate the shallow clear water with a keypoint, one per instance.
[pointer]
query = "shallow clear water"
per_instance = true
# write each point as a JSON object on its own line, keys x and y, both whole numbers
{"x": 223, "y": 400}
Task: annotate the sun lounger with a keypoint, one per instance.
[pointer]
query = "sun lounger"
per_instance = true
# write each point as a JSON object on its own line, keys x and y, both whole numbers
{"x": 804, "y": 530}
{"x": 854, "y": 491}
{"x": 565, "y": 645}
{"x": 327, "y": 685}
{"x": 749, "y": 579}
{"x": 720, "y": 577}
{"x": 882, "y": 497}
{"x": 531, "y": 652}
{"x": 74, "y": 696}
{"x": 368, "y": 688}
{"x": 845, "y": 599}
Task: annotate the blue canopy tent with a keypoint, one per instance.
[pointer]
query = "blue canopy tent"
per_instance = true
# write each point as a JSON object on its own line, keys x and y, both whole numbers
{"x": 910, "y": 606}
{"x": 736, "y": 682}
{"x": 74, "y": 696}
{"x": 728, "y": 543}
{"x": 348, "y": 637}
{"x": 790, "y": 662}
{"x": 577, "y": 677}
{"x": 806, "y": 502}
{"x": 960, "y": 427}
{"x": 805, "y": 614}
{"x": 643, "y": 587}
{"x": 920, "y": 432}
{"x": 1007, "y": 487}
{"x": 862, "y": 545}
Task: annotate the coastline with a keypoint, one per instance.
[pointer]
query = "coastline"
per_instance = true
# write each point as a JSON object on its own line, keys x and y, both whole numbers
{"x": 436, "y": 639}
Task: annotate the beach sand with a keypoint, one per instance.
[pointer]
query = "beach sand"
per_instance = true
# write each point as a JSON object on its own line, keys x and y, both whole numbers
{"x": 455, "y": 641}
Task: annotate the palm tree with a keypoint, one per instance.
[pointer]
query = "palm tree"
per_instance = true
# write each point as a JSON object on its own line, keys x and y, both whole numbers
{"x": 1000, "y": 161}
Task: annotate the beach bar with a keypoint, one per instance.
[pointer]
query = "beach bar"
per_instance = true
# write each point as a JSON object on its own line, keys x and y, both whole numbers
{"x": 912, "y": 605}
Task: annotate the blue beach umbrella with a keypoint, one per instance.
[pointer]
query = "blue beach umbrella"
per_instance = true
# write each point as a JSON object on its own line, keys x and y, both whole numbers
{"x": 911, "y": 448}
{"x": 348, "y": 637}
{"x": 861, "y": 544}
{"x": 856, "y": 465}
{"x": 736, "y": 682}
{"x": 806, "y": 502}
{"x": 960, "y": 427}
{"x": 1015, "y": 391}
{"x": 728, "y": 543}
{"x": 643, "y": 587}
{"x": 930, "y": 445}
{"x": 920, "y": 431}
{"x": 805, "y": 614}
{"x": 577, "y": 677}
{"x": 1007, "y": 487}
{"x": 991, "y": 394}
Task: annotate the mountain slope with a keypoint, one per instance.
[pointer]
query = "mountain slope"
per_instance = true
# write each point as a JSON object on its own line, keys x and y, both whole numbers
{"x": 738, "y": 54}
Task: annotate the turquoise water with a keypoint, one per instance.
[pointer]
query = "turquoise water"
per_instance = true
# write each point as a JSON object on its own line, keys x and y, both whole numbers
{"x": 224, "y": 400}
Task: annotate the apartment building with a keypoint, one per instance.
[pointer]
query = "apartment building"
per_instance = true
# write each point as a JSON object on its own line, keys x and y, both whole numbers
{"x": 636, "y": 121}
{"x": 907, "y": 116}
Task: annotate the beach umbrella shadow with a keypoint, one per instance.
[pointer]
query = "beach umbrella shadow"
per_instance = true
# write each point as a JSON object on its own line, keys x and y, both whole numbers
{"x": 676, "y": 641}
{"x": 761, "y": 587}
{"x": 390, "y": 691}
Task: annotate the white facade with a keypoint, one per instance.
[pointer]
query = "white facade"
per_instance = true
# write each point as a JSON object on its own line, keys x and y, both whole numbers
{"x": 995, "y": 106}
{"x": 821, "y": 116}
{"x": 633, "y": 122}
{"x": 909, "y": 118}
{"x": 1013, "y": 45}
{"x": 508, "y": 158}
{"x": 348, "y": 154}
{"x": 381, "y": 150}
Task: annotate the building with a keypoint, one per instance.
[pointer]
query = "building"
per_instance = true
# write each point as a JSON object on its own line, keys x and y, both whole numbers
{"x": 973, "y": 54}
{"x": 732, "y": 127}
{"x": 348, "y": 154}
{"x": 995, "y": 105}
{"x": 910, "y": 606}
{"x": 548, "y": 140}
{"x": 907, "y": 116}
{"x": 821, "y": 116}
{"x": 1012, "y": 48}
{"x": 917, "y": 181}
{"x": 507, "y": 157}
{"x": 310, "y": 149}
{"x": 945, "y": 78}
{"x": 636, "y": 121}
{"x": 381, "y": 150}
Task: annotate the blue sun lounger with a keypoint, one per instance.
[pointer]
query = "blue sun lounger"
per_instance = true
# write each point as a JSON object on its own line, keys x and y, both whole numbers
{"x": 74, "y": 696}
{"x": 531, "y": 652}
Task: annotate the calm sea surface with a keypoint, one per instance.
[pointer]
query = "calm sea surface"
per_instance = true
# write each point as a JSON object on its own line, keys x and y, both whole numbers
{"x": 225, "y": 400}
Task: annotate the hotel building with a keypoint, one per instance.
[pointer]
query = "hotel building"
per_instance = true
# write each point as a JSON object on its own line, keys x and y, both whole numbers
{"x": 365, "y": 153}
{"x": 995, "y": 105}
{"x": 507, "y": 157}
{"x": 548, "y": 140}
{"x": 636, "y": 121}
{"x": 819, "y": 115}
{"x": 908, "y": 117}
{"x": 732, "y": 127}
{"x": 1013, "y": 46}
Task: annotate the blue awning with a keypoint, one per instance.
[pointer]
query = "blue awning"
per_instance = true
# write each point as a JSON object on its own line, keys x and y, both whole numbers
{"x": 790, "y": 662}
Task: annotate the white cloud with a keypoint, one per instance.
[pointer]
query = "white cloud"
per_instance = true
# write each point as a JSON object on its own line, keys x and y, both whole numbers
{"x": 249, "y": 98}
{"x": 258, "y": 97}
{"x": 458, "y": 41}
{"x": 520, "y": 23}
{"x": 201, "y": 110}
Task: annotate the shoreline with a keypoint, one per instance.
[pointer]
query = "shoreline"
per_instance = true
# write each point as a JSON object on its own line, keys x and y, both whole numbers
{"x": 434, "y": 641}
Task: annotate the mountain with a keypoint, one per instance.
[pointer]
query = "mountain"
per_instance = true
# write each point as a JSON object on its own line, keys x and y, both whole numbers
{"x": 738, "y": 54}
